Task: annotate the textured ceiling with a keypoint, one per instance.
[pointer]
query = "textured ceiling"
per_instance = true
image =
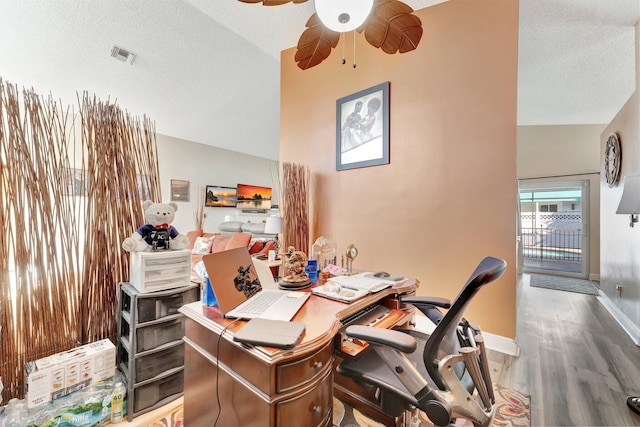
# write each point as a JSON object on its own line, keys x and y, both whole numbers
{"x": 208, "y": 70}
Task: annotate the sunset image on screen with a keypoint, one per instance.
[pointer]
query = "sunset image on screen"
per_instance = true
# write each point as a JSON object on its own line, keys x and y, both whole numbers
{"x": 220, "y": 197}
{"x": 253, "y": 197}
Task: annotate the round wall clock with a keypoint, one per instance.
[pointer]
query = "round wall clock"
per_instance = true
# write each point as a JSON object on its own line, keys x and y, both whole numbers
{"x": 612, "y": 160}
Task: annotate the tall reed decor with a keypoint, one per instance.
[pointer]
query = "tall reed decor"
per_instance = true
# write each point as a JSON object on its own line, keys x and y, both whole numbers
{"x": 69, "y": 195}
{"x": 198, "y": 213}
{"x": 295, "y": 206}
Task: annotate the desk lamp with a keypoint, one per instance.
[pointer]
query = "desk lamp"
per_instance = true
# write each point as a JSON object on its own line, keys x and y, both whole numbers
{"x": 273, "y": 226}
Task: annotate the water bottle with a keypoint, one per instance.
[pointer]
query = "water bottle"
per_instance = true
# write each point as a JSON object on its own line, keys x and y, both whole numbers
{"x": 117, "y": 403}
{"x": 18, "y": 415}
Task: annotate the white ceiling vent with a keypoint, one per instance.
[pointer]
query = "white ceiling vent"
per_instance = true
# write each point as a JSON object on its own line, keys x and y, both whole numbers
{"x": 122, "y": 54}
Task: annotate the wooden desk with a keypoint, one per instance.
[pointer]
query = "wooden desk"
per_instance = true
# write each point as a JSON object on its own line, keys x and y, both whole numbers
{"x": 260, "y": 386}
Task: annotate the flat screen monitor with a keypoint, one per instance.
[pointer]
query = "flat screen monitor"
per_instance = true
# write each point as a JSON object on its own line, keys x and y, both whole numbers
{"x": 253, "y": 197}
{"x": 220, "y": 197}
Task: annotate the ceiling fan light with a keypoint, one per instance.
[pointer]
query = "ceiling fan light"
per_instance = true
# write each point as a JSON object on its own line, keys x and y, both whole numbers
{"x": 343, "y": 15}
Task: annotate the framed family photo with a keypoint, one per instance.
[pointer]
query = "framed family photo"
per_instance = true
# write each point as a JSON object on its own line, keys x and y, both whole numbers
{"x": 362, "y": 128}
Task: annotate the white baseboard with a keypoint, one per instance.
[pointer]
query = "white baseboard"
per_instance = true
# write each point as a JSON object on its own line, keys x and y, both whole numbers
{"x": 629, "y": 327}
{"x": 494, "y": 342}
{"x": 501, "y": 344}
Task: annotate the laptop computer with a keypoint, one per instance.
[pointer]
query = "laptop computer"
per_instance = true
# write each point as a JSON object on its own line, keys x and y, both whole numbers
{"x": 264, "y": 274}
{"x": 239, "y": 291}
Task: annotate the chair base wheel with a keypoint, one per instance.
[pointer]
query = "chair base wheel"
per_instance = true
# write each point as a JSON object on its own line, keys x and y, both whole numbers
{"x": 633, "y": 402}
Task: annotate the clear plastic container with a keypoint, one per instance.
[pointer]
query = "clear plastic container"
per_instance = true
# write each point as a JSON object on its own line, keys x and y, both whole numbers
{"x": 325, "y": 251}
{"x": 157, "y": 307}
{"x": 154, "y": 364}
{"x": 149, "y": 395}
{"x": 152, "y": 336}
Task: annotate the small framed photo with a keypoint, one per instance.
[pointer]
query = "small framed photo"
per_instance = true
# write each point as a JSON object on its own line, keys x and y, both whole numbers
{"x": 362, "y": 128}
{"x": 179, "y": 190}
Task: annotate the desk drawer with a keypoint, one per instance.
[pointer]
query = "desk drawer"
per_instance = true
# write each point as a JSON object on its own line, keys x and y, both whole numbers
{"x": 311, "y": 409}
{"x": 294, "y": 374}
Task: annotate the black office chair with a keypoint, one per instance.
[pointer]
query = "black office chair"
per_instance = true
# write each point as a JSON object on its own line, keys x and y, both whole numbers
{"x": 449, "y": 377}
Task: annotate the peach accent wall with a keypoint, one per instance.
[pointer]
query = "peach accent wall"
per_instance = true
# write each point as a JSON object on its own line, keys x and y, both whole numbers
{"x": 448, "y": 197}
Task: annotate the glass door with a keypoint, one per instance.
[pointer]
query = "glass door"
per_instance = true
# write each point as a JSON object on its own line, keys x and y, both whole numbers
{"x": 554, "y": 227}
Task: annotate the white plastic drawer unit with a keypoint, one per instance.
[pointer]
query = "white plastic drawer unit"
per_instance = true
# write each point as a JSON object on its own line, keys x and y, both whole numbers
{"x": 156, "y": 271}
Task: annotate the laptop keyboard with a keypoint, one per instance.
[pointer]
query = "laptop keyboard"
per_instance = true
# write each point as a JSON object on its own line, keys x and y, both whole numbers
{"x": 260, "y": 302}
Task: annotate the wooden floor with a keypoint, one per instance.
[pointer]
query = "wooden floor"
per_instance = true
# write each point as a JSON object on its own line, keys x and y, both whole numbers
{"x": 577, "y": 364}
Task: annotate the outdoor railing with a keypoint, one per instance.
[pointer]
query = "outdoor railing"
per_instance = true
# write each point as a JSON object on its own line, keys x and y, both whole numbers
{"x": 552, "y": 244}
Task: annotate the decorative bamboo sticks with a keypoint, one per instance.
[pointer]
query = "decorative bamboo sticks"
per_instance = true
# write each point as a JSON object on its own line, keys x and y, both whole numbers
{"x": 70, "y": 191}
{"x": 295, "y": 206}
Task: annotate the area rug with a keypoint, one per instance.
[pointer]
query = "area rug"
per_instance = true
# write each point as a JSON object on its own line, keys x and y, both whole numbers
{"x": 512, "y": 410}
{"x": 567, "y": 284}
{"x": 174, "y": 419}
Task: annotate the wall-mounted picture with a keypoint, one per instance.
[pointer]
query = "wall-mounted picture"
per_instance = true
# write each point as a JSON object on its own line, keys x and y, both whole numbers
{"x": 362, "y": 128}
{"x": 220, "y": 197}
{"x": 179, "y": 190}
{"x": 253, "y": 197}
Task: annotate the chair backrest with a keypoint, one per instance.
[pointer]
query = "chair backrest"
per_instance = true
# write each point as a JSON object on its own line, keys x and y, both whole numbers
{"x": 445, "y": 332}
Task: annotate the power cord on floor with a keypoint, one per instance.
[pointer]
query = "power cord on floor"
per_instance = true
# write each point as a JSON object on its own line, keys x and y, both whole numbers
{"x": 218, "y": 369}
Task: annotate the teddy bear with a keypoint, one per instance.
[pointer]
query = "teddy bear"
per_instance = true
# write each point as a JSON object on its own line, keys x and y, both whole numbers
{"x": 156, "y": 233}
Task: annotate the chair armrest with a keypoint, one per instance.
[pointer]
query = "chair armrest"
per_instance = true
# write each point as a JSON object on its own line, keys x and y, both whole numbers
{"x": 418, "y": 301}
{"x": 396, "y": 339}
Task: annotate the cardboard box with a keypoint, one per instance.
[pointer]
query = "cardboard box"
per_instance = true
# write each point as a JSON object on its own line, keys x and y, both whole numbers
{"x": 58, "y": 375}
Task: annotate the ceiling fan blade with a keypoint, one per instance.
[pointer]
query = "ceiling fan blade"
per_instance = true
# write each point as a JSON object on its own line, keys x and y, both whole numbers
{"x": 315, "y": 43}
{"x": 392, "y": 27}
{"x": 272, "y": 2}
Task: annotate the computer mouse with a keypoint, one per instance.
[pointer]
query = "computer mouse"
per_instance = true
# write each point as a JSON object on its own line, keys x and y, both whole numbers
{"x": 332, "y": 287}
{"x": 381, "y": 274}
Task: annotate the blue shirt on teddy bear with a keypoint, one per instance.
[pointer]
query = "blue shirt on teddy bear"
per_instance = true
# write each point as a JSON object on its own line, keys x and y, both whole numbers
{"x": 148, "y": 233}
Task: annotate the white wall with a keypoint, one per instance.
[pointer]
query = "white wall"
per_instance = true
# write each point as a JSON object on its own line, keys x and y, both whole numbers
{"x": 565, "y": 153}
{"x": 204, "y": 165}
{"x": 620, "y": 261}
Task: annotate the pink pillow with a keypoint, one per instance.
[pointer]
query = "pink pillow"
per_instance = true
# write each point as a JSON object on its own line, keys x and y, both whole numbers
{"x": 238, "y": 240}
{"x": 220, "y": 243}
{"x": 192, "y": 236}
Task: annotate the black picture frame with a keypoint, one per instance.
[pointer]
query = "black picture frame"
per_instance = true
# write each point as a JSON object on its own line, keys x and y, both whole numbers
{"x": 362, "y": 128}
{"x": 217, "y": 196}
